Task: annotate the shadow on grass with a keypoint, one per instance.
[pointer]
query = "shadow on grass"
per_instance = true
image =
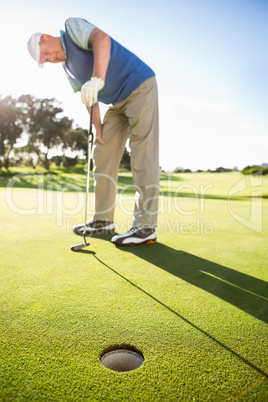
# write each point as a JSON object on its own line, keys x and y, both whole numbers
{"x": 156, "y": 254}
{"x": 75, "y": 180}
{"x": 241, "y": 290}
{"x": 45, "y": 181}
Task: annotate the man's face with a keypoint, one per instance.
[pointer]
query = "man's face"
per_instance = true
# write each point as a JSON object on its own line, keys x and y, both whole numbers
{"x": 51, "y": 50}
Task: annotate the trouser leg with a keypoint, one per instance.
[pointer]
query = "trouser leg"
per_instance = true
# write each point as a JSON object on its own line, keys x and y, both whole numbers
{"x": 136, "y": 117}
{"x": 142, "y": 113}
{"x": 107, "y": 158}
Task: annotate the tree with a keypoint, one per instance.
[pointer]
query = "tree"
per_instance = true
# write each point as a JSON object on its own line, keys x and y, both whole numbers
{"x": 77, "y": 140}
{"x": 45, "y": 128}
{"x": 11, "y": 128}
{"x": 47, "y": 131}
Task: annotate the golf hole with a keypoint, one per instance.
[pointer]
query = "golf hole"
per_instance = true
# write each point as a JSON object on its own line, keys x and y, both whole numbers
{"x": 122, "y": 358}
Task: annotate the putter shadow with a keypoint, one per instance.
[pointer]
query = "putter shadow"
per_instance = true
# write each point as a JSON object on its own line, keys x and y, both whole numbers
{"x": 87, "y": 251}
{"x": 246, "y": 292}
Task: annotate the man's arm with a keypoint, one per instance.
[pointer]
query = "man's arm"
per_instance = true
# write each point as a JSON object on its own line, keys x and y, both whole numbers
{"x": 100, "y": 42}
{"x": 101, "y": 45}
{"x": 97, "y": 123}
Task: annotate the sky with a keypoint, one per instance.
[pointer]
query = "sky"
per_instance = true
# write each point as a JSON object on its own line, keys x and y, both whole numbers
{"x": 210, "y": 58}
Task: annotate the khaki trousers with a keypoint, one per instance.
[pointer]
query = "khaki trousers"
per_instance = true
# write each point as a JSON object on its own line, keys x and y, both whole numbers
{"x": 135, "y": 118}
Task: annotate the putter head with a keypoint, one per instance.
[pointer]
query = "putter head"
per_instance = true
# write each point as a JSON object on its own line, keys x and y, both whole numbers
{"x": 78, "y": 247}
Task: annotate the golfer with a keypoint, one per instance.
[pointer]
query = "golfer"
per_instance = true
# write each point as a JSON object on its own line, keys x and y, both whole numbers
{"x": 105, "y": 71}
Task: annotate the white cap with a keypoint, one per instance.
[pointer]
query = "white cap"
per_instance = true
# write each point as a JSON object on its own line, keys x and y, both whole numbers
{"x": 34, "y": 47}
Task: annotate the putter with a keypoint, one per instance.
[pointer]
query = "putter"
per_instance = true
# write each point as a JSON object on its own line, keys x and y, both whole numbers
{"x": 78, "y": 247}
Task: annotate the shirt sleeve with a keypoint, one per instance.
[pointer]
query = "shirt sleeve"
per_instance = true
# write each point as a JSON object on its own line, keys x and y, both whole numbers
{"x": 79, "y": 30}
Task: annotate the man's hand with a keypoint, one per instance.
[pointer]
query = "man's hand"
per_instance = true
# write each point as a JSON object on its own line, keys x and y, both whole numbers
{"x": 89, "y": 91}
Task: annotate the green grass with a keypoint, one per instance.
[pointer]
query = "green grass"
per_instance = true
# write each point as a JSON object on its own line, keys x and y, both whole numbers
{"x": 195, "y": 304}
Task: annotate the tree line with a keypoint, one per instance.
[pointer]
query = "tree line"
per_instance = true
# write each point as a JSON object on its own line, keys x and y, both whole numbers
{"x": 43, "y": 130}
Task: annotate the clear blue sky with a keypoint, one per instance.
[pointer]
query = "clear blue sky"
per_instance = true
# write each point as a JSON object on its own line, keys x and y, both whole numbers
{"x": 210, "y": 58}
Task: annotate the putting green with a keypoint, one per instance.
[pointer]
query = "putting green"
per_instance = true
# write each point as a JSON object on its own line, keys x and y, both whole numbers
{"x": 195, "y": 303}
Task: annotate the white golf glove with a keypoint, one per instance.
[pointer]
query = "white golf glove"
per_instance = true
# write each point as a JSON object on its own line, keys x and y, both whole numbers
{"x": 89, "y": 91}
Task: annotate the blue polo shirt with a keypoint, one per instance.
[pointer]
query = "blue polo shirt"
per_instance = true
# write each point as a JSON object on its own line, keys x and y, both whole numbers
{"x": 125, "y": 71}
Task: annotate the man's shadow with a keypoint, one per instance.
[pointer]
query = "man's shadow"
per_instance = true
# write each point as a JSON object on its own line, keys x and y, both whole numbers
{"x": 241, "y": 290}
